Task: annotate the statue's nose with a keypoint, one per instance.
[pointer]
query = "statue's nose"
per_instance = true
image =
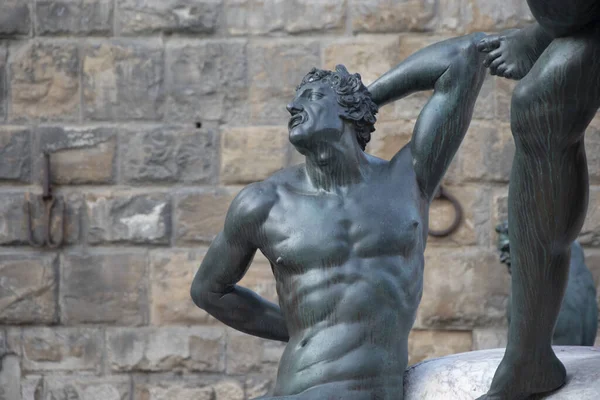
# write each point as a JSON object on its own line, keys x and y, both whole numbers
{"x": 293, "y": 108}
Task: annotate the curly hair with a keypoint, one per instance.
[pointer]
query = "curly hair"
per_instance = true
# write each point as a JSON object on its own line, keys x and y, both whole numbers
{"x": 352, "y": 95}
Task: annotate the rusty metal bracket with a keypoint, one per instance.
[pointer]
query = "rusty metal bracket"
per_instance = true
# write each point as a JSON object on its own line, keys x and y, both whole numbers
{"x": 49, "y": 202}
{"x": 442, "y": 194}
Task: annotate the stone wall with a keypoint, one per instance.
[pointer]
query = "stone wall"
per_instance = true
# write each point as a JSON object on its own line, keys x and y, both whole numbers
{"x": 156, "y": 113}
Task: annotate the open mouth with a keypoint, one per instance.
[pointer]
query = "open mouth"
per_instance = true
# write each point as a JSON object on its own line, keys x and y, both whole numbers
{"x": 296, "y": 120}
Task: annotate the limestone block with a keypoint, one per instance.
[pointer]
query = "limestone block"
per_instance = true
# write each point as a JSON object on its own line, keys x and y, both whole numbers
{"x": 104, "y": 288}
{"x": 128, "y": 217}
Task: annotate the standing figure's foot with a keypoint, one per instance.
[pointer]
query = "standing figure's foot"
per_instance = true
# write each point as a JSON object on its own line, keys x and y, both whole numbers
{"x": 517, "y": 378}
{"x": 512, "y": 53}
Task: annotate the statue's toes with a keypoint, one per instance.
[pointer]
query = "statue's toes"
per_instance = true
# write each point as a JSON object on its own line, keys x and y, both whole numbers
{"x": 488, "y": 44}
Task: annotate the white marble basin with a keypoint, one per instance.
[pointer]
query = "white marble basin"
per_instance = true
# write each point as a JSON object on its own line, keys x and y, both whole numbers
{"x": 467, "y": 376}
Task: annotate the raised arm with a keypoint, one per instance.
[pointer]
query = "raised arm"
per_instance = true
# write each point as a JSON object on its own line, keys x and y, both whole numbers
{"x": 214, "y": 287}
{"x": 453, "y": 69}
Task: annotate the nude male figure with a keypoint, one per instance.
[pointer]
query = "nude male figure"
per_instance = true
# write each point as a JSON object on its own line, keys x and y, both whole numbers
{"x": 345, "y": 232}
{"x": 557, "y": 61}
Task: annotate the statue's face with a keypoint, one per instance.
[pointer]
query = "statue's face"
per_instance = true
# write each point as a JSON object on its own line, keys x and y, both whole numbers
{"x": 315, "y": 117}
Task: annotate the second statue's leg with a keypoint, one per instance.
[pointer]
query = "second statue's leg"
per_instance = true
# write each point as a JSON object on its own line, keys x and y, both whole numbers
{"x": 551, "y": 108}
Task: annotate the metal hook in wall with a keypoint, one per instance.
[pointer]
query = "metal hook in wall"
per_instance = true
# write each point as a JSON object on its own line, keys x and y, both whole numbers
{"x": 50, "y": 203}
{"x": 458, "y": 213}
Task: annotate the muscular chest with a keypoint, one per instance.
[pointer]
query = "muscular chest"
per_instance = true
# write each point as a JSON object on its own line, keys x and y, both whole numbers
{"x": 319, "y": 230}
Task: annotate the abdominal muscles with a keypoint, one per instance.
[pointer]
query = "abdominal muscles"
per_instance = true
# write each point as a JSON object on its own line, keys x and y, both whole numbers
{"x": 347, "y": 323}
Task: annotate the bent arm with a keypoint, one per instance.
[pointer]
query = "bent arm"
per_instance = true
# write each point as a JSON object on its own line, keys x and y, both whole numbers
{"x": 215, "y": 288}
{"x": 453, "y": 69}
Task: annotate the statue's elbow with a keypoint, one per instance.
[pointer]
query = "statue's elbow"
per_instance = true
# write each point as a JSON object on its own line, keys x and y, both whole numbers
{"x": 200, "y": 296}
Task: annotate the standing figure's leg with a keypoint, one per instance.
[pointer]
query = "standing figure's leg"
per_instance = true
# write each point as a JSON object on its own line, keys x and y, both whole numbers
{"x": 551, "y": 108}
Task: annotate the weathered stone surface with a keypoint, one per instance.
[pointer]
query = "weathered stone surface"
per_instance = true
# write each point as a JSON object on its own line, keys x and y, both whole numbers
{"x": 244, "y": 353}
{"x": 171, "y": 274}
{"x": 392, "y": 15}
{"x": 449, "y": 16}
{"x": 259, "y": 278}
{"x": 253, "y": 153}
{"x": 503, "y": 91}
{"x": 173, "y": 390}
{"x": 592, "y": 261}
{"x": 104, "y": 288}
{"x": 474, "y": 228}
{"x": 258, "y": 386}
{"x": 208, "y": 81}
{"x": 44, "y": 82}
{"x": 189, "y": 388}
{"x": 255, "y": 17}
{"x": 483, "y": 15}
{"x": 467, "y": 376}
{"x": 166, "y": 349}
{"x": 128, "y": 217}
{"x": 485, "y": 106}
{"x": 74, "y": 17}
{"x": 13, "y": 341}
{"x": 463, "y": 288}
{"x": 489, "y": 338}
{"x": 3, "y": 81}
{"x": 486, "y": 154}
{"x": 32, "y": 388}
{"x": 123, "y": 80}
{"x": 169, "y": 16}
{"x": 169, "y": 154}
{"x": 590, "y": 233}
{"x": 65, "y": 222}
{"x": 423, "y": 345}
{"x": 10, "y": 377}
{"x": 200, "y": 216}
{"x": 28, "y": 288}
{"x": 371, "y": 56}
{"x": 15, "y": 152}
{"x": 315, "y": 15}
{"x": 87, "y": 388}
{"x": 260, "y": 17}
{"x": 12, "y": 219}
{"x": 80, "y": 154}
{"x": 62, "y": 349}
{"x": 228, "y": 390}
{"x": 274, "y": 83}
{"x": 15, "y": 17}
{"x": 389, "y": 138}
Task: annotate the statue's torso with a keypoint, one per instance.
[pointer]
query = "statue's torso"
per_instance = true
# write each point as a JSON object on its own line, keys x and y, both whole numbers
{"x": 349, "y": 279}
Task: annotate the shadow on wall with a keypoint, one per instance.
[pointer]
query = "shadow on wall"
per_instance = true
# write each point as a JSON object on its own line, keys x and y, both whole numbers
{"x": 577, "y": 323}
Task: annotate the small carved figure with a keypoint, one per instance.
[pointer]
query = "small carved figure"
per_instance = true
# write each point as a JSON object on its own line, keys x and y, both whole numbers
{"x": 344, "y": 232}
{"x": 577, "y": 323}
{"x": 557, "y": 61}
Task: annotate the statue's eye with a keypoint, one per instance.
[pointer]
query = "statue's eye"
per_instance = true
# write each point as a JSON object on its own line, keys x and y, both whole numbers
{"x": 316, "y": 95}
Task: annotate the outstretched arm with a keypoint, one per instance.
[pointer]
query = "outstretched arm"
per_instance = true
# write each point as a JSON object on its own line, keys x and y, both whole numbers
{"x": 453, "y": 69}
{"x": 214, "y": 287}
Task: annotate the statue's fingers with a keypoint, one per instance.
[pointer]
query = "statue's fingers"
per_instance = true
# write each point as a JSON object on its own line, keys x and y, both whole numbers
{"x": 488, "y": 44}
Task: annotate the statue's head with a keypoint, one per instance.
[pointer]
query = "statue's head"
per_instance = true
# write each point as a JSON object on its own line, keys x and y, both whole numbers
{"x": 329, "y": 103}
{"x": 503, "y": 244}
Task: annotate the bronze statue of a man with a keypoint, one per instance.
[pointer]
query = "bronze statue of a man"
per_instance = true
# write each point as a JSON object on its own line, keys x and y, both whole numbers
{"x": 345, "y": 232}
{"x": 558, "y": 63}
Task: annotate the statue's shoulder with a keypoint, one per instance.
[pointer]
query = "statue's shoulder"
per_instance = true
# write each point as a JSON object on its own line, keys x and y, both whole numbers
{"x": 253, "y": 202}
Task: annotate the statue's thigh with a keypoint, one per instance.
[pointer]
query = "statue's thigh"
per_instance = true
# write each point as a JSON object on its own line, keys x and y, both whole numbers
{"x": 561, "y": 93}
